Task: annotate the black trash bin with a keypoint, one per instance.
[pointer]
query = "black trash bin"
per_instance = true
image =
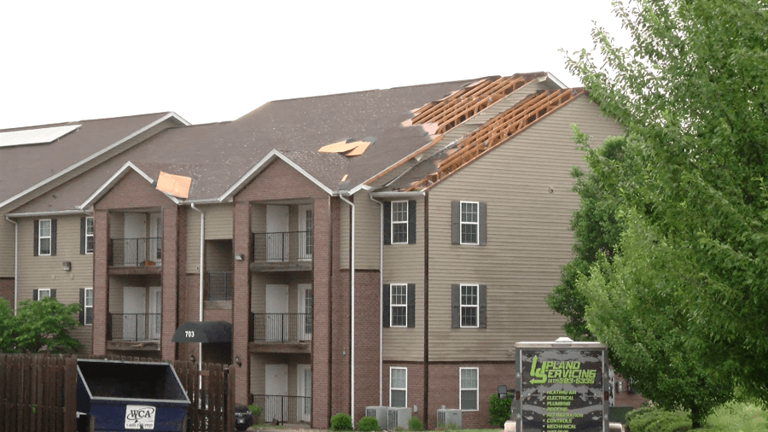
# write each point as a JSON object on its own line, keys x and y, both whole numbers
{"x": 127, "y": 396}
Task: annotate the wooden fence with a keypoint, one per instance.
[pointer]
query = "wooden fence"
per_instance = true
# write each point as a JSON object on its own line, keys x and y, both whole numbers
{"x": 39, "y": 393}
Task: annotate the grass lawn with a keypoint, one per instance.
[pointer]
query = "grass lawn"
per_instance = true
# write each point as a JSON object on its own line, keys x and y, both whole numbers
{"x": 737, "y": 417}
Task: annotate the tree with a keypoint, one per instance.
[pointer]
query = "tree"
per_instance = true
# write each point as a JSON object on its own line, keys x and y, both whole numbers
{"x": 38, "y": 325}
{"x": 595, "y": 226}
{"x": 692, "y": 92}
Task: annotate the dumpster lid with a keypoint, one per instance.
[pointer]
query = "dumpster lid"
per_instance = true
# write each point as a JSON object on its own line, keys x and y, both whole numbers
{"x": 203, "y": 332}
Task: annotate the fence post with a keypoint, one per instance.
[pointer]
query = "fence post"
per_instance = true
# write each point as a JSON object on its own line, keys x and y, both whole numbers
{"x": 231, "y": 399}
{"x": 70, "y": 394}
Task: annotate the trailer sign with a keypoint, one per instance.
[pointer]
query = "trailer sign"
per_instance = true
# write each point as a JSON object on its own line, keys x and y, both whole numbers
{"x": 561, "y": 387}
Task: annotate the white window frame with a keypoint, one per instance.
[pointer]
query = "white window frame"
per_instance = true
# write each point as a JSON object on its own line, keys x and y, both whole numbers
{"x": 476, "y": 389}
{"x": 88, "y": 252}
{"x": 392, "y": 304}
{"x": 40, "y": 293}
{"x": 475, "y": 306}
{"x": 393, "y": 222}
{"x": 405, "y": 389}
{"x": 40, "y": 237}
{"x": 86, "y": 307}
{"x": 476, "y": 223}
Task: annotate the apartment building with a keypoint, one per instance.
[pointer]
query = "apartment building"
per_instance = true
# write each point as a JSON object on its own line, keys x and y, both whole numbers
{"x": 385, "y": 247}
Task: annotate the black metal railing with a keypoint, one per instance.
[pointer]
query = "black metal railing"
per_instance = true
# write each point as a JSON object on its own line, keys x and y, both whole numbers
{"x": 220, "y": 286}
{"x": 282, "y": 246}
{"x": 282, "y": 327}
{"x": 135, "y": 327}
{"x": 135, "y": 251}
{"x": 285, "y": 409}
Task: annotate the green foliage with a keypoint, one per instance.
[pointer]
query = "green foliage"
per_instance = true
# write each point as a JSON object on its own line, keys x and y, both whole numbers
{"x": 659, "y": 420}
{"x": 367, "y": 424}
{"x": 38, "y": 325}
{"x": 692, "y": 93}
{"x": 448, "y": 427}
{"x": 341, "y": 422}
{"x": 255, "y": 411}
{"x": 499, "y": 409}
{"x": 415, "y": 424}
{"x": 734, "y": 417}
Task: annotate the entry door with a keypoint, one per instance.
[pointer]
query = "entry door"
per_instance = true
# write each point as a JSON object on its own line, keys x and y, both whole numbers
{"x": 306, "y": 224}
{"x": 277, "y": 233}
{"x": 304, "y": 391}
{"x": 134, "y": 313}
{"x": 155, "y": 242}
{"x": 134, "y": 243}
{"x": 276, "y": 387}
{"x": 277, "y": 321}
{"x": 155, "y": 310}
{"x": 305, "y": 312}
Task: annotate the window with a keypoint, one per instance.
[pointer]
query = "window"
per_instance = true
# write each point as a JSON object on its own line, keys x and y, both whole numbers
{"x": 89, "y": 235}
{"x": 469, "y": 222}
{"x": 86, "y": 301}
{"x": 400, "y": 222}
{"x": 308, "y": 226}
{"x": 44, "y": 237}
{"x": 42, "y": 293}
{"x": 398, "y": 387}
{"x": 469, "y": 306}
{"x": 468, "y": 389}
{"x": 399, "y": 305}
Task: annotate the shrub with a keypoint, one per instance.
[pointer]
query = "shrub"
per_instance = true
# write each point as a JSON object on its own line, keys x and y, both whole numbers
{"x": 368, "y": 424}
{"x": 415, "y": 424}
{"x": 448, "y": 427}
{"x": 658, "y": 420}
{"x": 341, "y": 422}
{"x": 255, "y": 411}
{"x": 499, "y": 409}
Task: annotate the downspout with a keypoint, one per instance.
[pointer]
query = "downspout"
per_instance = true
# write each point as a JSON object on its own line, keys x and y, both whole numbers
{"x": 15, "y": 265}
{"x": 352, "y": 289}
{"x": 381, "y": 299}
{"x": 202, "y": 255}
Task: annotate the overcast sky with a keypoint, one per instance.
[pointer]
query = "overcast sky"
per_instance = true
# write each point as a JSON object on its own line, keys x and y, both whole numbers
{"x": 217, "y": 60}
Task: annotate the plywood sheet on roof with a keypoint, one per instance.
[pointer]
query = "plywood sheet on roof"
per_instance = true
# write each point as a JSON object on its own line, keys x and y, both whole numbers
{"x": 338, "y": 147}
{"x": 174, "y": 185}
{"x": 360, "y": 149}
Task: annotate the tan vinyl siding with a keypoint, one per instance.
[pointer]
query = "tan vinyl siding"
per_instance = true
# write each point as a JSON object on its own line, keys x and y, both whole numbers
{"x": 7, "y": 242}
{"x": 116, "y": 225}
{"x": 367, "y": 232}
{"x": 218, "y": 222}
{"x": 193, "y": 240}
{"x": 46, "y": 271}
{"x": 404, "y": 263}
{"x": 219, "y": 256}
{"x": 258, "y": 218}
{"x": 527, "y": 188}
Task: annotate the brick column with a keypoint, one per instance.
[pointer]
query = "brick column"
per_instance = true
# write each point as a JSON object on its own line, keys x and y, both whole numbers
{"x": 170, "y": 282}
{"x": 321, "y": 330}
{"x": 241, "y": 301}
{"x": 100, "y": 280}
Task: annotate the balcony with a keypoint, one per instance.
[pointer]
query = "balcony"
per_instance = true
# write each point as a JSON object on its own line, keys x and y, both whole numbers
{"x": 282, "y": 251}
{"x": 285, "y": 409}
{"x": 220, "y": 286}
{"x": 281, "y": 333}
{"x": 134, "y": 331}
{"x": 145, "y": 253}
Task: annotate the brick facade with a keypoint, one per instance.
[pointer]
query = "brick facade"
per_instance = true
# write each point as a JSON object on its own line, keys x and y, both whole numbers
{"x": 6, "y": 290}
{"x": 415, "y": 387}
{"x": 367, "y": 314}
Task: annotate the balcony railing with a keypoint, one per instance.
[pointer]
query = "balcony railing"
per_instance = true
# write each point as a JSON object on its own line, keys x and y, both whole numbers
{"x": 282, "y": 327}
{"x": 285, "y": 409}
{"x": 134, "y": 327}
{"x": 283, "y": 247}
{"x": 220, "y": 286}
{"x": 133, "y": 252}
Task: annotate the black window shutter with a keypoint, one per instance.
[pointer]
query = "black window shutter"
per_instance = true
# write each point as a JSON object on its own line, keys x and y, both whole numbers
{"x": 455, "y": 306}
{"x": 53, "y": 293}
{"x": 34, "y": 295}
{"x": 455, "y": 222}
{"x": 411, "y": 305}
{"x": 53, "y": 237}
{"x": 82, "y": 237}
{"x": 483, "y": 216}
{"x": 411, "y": 221}
{"x": 82, "y": 306}
{"x": 36, "y": 230}
{"x": 387, "y": 228}
{"x": 483, "y": 306}
{"x": 385, "y": 312}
